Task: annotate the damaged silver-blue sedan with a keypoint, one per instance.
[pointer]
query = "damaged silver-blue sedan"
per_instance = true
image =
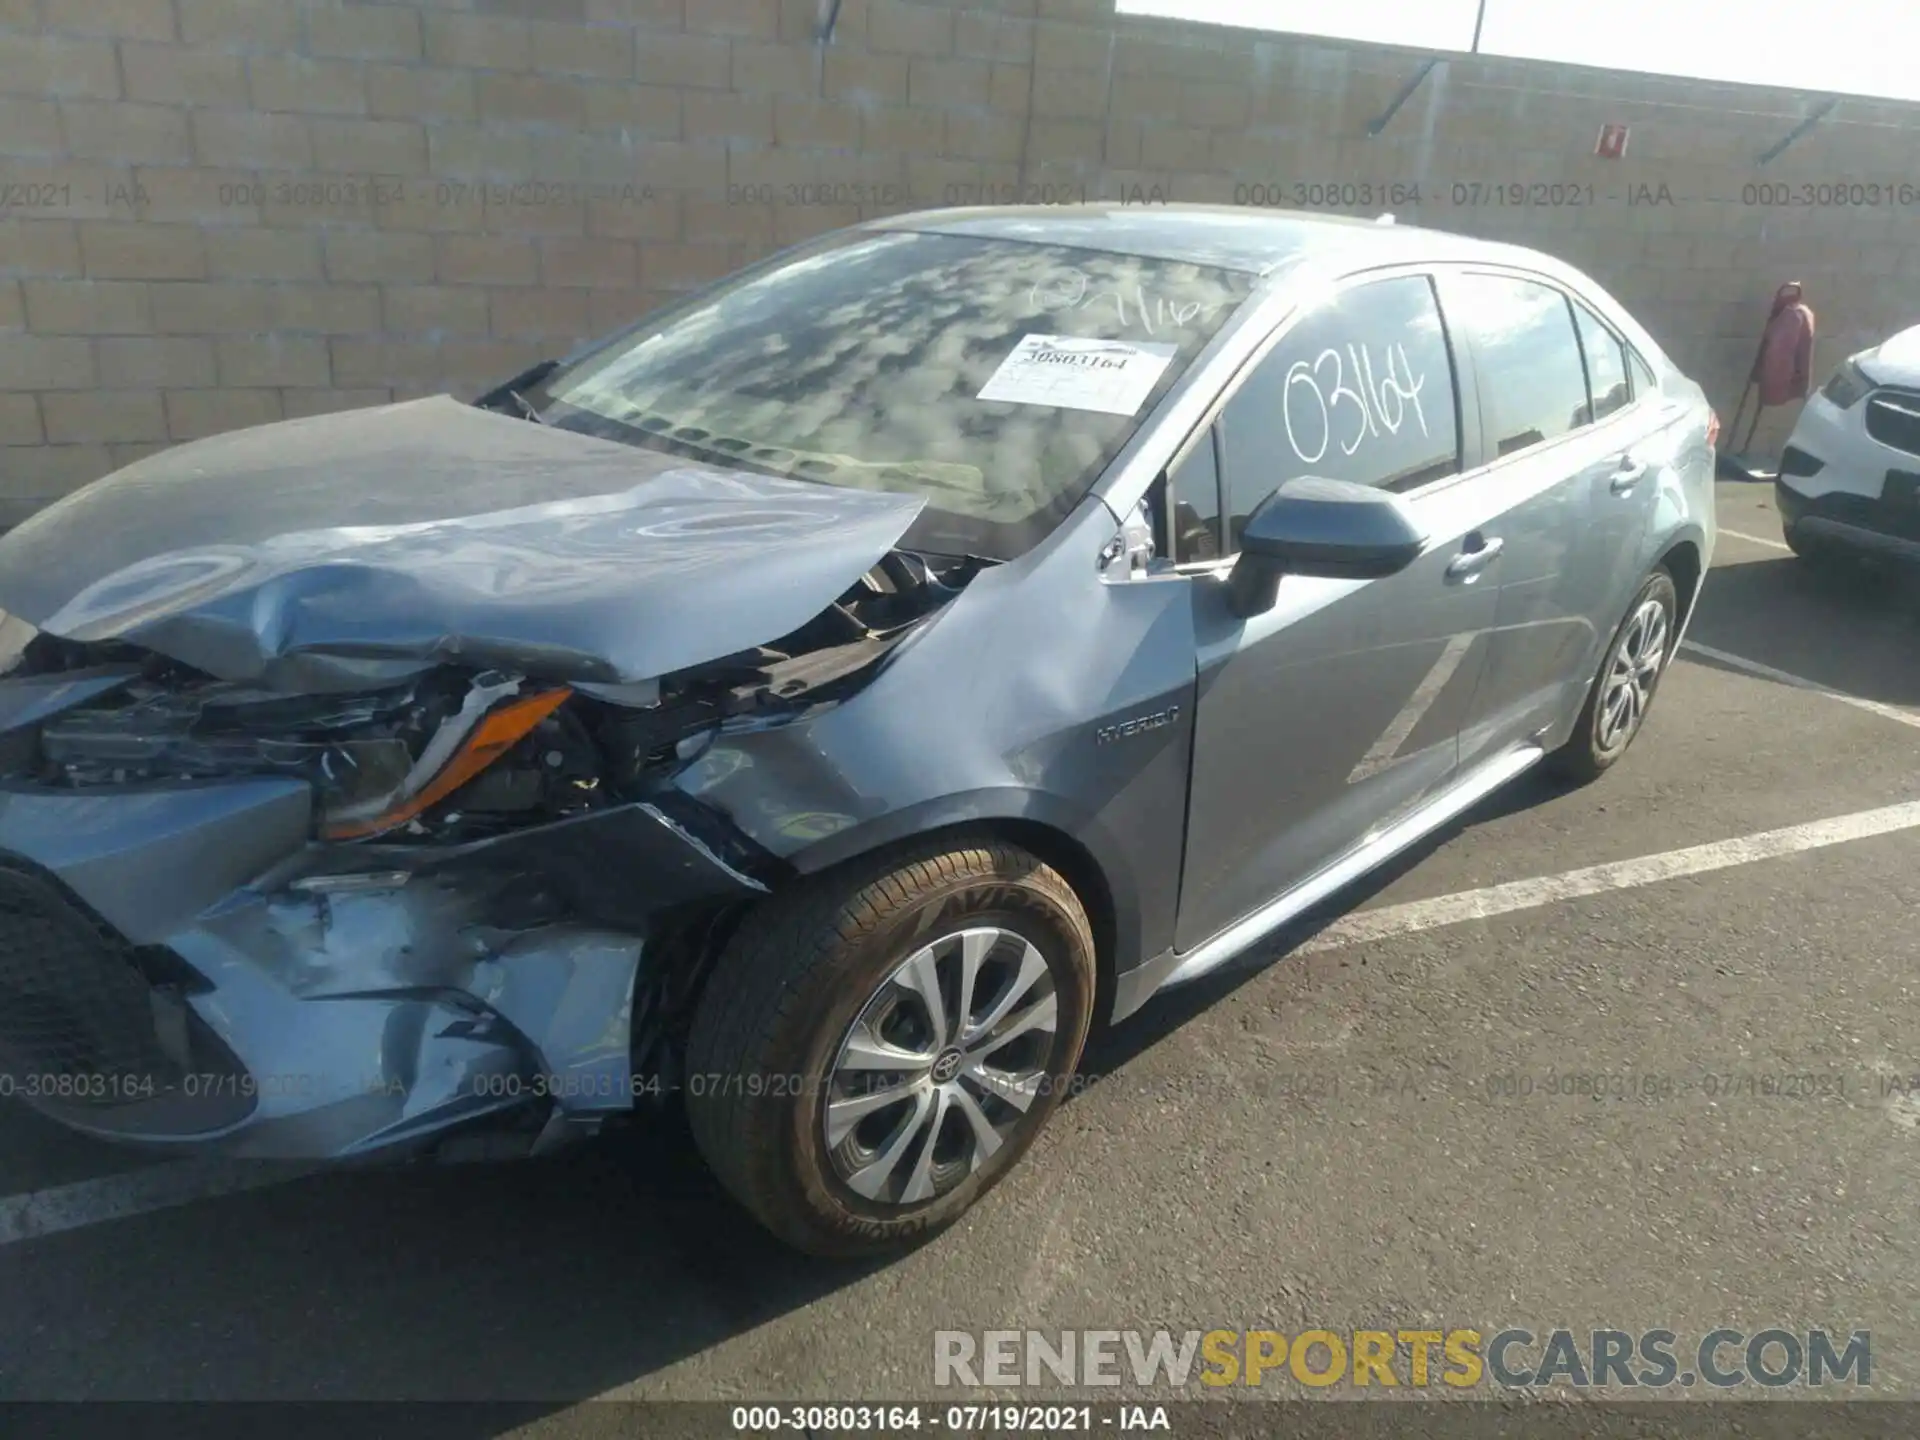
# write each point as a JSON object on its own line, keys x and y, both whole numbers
{"x": 820, "y": 703}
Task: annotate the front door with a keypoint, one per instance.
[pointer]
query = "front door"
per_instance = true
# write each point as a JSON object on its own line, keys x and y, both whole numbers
{"x": 1325, "y": 718}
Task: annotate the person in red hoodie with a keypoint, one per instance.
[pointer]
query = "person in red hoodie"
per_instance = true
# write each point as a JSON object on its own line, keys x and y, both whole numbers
{"x": 1784, "y": 367}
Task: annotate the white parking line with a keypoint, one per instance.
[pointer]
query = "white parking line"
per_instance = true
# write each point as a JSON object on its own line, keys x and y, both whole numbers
{"x": 1800, "y": 682}
{"x": 1417, "y": 915}
{"x": 1757, "y": 540}
{"x": 118, "y": 1197}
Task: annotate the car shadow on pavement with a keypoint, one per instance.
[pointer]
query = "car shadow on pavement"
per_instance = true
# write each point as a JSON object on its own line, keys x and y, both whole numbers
{"x": 527, "y": 1288}
{"x": 1853, "y": 626}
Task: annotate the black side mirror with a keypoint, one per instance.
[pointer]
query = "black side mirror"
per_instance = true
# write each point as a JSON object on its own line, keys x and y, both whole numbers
{"x": 1335, "y": 529}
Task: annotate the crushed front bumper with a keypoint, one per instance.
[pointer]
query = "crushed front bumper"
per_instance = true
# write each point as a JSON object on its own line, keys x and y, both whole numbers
{"x": 182, "y": 968}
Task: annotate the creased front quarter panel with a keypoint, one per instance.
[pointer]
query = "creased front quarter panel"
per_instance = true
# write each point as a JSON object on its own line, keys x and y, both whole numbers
{"x": 994, "y": 711}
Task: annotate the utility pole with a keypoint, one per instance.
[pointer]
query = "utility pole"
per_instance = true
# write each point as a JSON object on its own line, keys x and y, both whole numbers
{"x": 1379, "y": 123}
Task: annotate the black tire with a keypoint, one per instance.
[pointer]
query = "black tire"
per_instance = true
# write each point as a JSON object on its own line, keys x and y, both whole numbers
{"x": 786, "y": 992}
{"x": 1584, "y": 758}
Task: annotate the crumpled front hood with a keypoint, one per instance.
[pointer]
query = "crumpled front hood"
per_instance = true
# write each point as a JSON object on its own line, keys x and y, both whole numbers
{"x": 323, "y": 553}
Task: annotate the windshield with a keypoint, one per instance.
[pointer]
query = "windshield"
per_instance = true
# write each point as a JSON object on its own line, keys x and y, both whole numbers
{"x": 994, "y": 378}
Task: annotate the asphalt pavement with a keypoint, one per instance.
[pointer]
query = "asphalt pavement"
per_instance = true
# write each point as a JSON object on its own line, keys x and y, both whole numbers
{"x": 1364, "y": 1132}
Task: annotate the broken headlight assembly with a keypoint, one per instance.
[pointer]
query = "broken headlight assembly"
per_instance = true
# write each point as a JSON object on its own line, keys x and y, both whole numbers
{"x": 376, "y": 761}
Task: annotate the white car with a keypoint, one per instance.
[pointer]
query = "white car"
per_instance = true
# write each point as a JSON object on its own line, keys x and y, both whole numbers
{"x": 1850, "y": 476}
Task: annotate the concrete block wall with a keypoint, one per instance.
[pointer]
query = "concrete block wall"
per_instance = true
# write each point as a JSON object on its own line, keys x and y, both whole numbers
{"x": 219, "y": 212}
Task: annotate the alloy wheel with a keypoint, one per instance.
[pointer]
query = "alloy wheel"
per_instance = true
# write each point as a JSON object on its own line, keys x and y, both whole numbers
{"x": 942, "y": 1066}
{"x": 1631, "y": 675}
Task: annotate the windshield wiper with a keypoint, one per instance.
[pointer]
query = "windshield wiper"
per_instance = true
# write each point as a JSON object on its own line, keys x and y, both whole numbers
{"x": 512, "y": 394}
{"x": 526, "y": 407}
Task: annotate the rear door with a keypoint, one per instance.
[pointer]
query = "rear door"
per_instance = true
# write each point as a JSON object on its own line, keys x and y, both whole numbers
{"x": 1560, "y": 434}
{"x": 1335, "y": 712}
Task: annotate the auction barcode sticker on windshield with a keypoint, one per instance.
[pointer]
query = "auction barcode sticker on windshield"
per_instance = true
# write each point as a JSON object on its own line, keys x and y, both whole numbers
{"x": 1112, "y": 376}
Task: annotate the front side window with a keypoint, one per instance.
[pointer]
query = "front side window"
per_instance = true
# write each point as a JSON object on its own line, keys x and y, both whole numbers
{"x": 996, "y": 378}
{"x": 1359, "y": 389}
{"x": 1195, "y": 516}
{"x": 1606, "y": 363}
{"x": 1533, "y": 386}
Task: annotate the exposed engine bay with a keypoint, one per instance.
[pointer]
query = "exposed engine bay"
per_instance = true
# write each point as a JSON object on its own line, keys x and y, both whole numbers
{"x": 452, "y": 754}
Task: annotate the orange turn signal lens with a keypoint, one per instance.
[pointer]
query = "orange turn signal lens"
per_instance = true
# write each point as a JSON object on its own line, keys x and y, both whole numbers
{"x": 496, "y": 734}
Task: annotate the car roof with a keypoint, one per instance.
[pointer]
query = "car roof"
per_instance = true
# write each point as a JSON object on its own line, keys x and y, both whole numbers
{"x": 1232, "y": 237}
{"x": 1283, "y": 247}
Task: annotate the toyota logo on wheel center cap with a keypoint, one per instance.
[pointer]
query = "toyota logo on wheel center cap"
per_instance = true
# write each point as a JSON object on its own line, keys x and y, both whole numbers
{"x": 946, "y": 1065}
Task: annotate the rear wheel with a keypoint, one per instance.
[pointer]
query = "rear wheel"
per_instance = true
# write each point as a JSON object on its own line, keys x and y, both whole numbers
{"x": 1623, "y": 691}
{"x": 877, "y": 1048}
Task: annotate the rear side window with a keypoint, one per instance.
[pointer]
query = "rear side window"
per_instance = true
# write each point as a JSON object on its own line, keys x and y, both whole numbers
{"x": 1643, "y": 381}
{"x": 1606, "y": 363}
{"x": 1361, "y": 389}
{"x": 1533, "y": 385}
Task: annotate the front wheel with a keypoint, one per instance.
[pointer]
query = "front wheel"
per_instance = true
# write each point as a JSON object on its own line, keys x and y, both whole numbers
{"x": 878, "y": 1047}
{"x": 1623, "y": 691}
